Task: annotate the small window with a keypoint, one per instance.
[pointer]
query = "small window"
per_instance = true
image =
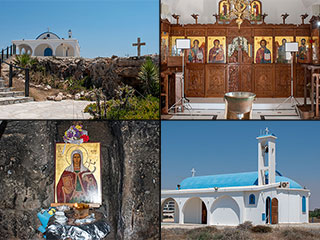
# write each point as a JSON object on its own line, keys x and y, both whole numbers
{"x": 303, "y": 204}
{"x": 252, "y": 199}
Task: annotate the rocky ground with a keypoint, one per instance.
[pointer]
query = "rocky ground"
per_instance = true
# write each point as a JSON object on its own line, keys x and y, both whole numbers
{"x": 107, "y": 73}
{"x": 277, "y": 232}
{"x": 130, "y": 175}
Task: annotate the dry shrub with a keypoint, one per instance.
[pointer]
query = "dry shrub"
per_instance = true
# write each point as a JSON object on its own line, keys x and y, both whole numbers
{"x": 300, "y": 234}
{"x": 245, "y": 226}
{"x": 261, "y": 229}
{"x": 206, "y": 233}
{"x": 232, "y": 234}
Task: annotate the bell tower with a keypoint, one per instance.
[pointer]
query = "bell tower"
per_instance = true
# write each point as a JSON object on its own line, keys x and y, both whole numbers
{"x": 266, "y": 158}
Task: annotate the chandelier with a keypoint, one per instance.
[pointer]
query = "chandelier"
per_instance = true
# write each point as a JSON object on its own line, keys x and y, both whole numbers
{"x": 239, "y": 10}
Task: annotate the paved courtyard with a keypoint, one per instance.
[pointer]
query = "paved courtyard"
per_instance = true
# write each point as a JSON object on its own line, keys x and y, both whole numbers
{"x": 66, "y": 109}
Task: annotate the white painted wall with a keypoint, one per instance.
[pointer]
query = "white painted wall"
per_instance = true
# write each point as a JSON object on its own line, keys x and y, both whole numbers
{"x": 54, "y": 44}
{"x": 206, "y": 8}
{"x": 193, "y": 211}
{"x": 233, "y": 208}
{"x": 225, "y": 211}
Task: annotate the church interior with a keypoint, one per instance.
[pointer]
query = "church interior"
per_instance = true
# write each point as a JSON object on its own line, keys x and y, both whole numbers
{"x": 240, "y": 59}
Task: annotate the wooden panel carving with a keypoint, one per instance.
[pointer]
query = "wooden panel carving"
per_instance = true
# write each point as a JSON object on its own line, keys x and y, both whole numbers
{"x": 284, "y": 32}
{"x": 179, "y": 31}
{"x": 263, "y": 32}
{"x": 246, "y": 78}
{"x": 299, "y": 82}
{"x": 233, "y": 78}
{"x": 195, "y": 32}
{"x": 194, "y": 80}
{"x": 216, "y": 32}
{"x": 303, "y": 32}
{"x": 283, "y": 76}
{"x": 264, "y": 86}
{"x": 215, "y": 80}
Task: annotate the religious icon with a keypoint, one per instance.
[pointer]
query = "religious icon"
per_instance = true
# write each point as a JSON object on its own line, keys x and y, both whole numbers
{"x": 315, "y": 49}
{"x": 78, "y": 173}
{"x": 173, "y": 46}
{"x": 239, "y": 43}
{"x": 256, "y": 11}
{"x": 224, "y": 10}
{"x": 164, "y": 47}
{"x": 217, "y": 49}
{"x": 303, "y": 55}
{"x": 281, "y": 49}
{"x": 263, "y": 54}
{"x": 196, "y": 53}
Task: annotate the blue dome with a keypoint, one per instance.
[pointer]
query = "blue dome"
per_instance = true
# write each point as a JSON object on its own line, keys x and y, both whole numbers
{"x": 230, "y": 180}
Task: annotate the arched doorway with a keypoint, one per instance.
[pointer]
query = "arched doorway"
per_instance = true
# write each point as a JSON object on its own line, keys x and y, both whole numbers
{"x": 47, "y": 52}
{"x": 195, "y": 211}
{"x": 25, "y": 49}
{"x": 274, "y": 211}
{"x": 65, "y": 50}
{"x": 43, "y": 50}
{"x": 272, "y": 207}
{"x": 268, "y": 210}
{"x": 169, "y": 211}
{"x": 225, "y": 211}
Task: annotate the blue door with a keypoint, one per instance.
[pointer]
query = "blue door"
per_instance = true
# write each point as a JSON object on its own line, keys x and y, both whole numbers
{"x": 48, "y": 52}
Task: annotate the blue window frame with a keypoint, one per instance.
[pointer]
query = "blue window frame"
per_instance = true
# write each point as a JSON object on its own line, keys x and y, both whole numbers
{"x": 304, "y": 204}
{"x": 252, "y": 199}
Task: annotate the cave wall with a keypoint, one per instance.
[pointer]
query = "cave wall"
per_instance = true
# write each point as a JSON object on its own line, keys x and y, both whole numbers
{"x": 130, "y": 175}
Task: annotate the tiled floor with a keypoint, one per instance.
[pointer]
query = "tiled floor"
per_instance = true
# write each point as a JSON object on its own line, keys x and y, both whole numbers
{"x": 214, "y": 108}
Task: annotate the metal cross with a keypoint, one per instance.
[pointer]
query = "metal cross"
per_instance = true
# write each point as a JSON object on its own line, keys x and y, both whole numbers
{"x": 267, "y": 131}
{"x": 193, "y": 171}
{"x": 138, "y": 45}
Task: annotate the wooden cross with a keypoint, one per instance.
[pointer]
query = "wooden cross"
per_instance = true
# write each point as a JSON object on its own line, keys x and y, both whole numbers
{"x": 303, "y": 17}
{"x": 216, "y": 16}
{"x": 138, "y": 45}
{"x": 176, "y": 17}
{"x": 284, "y": 17}
{"x": 195, "y": 16}
{"x": 263, "y": 17}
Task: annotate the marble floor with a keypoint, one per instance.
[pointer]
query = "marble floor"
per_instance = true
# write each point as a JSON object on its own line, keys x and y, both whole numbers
{"x": 214, "y": 109}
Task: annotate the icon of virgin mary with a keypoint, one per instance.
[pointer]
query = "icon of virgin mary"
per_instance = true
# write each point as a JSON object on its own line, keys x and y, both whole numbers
{"x": 77, "y": 183}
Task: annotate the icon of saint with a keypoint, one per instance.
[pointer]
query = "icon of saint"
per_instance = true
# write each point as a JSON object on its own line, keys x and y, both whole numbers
{"x": 77, "y": 183}
{"x": 303, "y": 51}
{"x": 263, "y": 53}
{"x": 282, "y": 52}
{"x": 216, "y": 53}
{"x": 196, "y": 53}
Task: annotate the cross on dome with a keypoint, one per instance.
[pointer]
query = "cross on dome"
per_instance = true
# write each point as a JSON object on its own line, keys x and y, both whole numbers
{"x": 193, "y": 171}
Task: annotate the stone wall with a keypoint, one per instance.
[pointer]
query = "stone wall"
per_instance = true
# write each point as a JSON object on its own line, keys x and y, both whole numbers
{"x": 130, "y": 175}
{"x": 107, "y": 73}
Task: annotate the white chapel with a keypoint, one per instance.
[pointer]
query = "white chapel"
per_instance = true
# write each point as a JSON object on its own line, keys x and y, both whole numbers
{"x": 262, "y": 197}
{"x": 49, "y": 44}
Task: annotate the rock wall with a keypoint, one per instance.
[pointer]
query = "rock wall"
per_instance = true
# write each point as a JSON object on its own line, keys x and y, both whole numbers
{"x": 130, "y": 175}
{"x": 107, "y": 73}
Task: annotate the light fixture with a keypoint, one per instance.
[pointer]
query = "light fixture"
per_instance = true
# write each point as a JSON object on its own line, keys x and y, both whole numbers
{"x": 240, "y": 10}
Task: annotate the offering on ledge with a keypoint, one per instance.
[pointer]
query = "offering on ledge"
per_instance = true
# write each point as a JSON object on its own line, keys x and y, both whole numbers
{"x": 81, "y": 210}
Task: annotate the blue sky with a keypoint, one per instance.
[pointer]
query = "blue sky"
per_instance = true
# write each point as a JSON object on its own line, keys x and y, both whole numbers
{"x": 214, "y": 147}
{"x": 103, "y": 27}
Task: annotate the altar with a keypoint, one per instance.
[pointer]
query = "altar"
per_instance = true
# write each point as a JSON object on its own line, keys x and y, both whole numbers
{"x": 226, "y": 56}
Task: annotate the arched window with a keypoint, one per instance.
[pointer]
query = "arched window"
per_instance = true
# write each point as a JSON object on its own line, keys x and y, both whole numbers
{"x": 304, "y": 204}
{"x": 252, "y": 199}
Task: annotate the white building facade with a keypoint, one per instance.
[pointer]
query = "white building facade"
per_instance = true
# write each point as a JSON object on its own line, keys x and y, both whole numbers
{"x": 262, "y": 197}
{"x": 49, "y": 44}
